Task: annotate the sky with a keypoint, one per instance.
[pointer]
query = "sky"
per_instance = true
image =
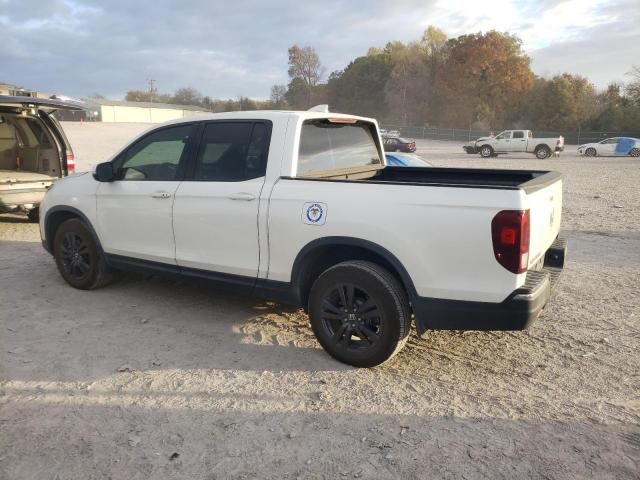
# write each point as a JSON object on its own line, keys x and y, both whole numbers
{"x": 227, "y": 49}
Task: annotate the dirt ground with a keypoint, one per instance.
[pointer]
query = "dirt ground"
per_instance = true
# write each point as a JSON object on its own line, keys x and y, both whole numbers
{"x": 157, "y": 378}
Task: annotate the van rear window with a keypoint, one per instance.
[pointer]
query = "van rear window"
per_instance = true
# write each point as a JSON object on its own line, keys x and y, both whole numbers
{"x": 326, "y": 146}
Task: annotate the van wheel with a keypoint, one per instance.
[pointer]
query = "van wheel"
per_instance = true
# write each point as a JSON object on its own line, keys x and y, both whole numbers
{"x": 543, "y": 152}
{"x": 486, "y": 151}
{"x": 635, "y": 152}
{"x": 34, "y": 215}
{"x": 359, "y": 313}
{"x": 591, "y": 152}
{"x": 78, "y": 257}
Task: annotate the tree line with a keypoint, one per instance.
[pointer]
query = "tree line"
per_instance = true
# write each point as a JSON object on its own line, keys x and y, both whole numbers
{"x": 481, "y": 81}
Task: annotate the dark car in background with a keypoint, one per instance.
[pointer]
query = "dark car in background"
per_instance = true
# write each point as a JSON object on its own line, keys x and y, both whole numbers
{"x": 398, "y": 144}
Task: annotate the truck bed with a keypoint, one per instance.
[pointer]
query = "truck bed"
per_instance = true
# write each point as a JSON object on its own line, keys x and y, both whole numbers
{"x": 527, "y": 180}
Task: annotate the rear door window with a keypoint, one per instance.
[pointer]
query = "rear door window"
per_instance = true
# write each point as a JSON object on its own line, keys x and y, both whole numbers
{"x": 233, "y": 151}
{"x": 327, "y": 146}
{"x": 518, "y": 134}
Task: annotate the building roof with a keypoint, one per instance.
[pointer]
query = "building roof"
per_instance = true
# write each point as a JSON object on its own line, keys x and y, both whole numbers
{"x": 123, "y": 103}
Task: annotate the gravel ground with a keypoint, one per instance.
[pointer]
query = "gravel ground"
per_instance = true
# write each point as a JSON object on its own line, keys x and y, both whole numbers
{"x": 157, "y": 378}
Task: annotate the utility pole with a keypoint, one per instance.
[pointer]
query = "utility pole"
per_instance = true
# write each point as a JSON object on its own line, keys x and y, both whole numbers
{"x": 151, "y": 89}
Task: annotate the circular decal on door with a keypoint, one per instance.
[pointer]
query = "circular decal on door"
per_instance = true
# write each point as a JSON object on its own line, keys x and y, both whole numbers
{"x": 314, "y": 213}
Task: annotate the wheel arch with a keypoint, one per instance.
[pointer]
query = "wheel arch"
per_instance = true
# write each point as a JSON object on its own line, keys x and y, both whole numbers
{"x": 323, "y": 253}
{"x": 595, "y": 150}
{"x": 55, "y": 216}
{"x": 542, "y": 145}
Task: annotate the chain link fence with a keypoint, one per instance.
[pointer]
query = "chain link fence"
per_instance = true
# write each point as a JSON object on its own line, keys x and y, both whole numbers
{"x": 465, "y": 135}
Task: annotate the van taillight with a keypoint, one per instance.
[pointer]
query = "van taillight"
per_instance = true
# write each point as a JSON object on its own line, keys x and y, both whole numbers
{"x": 510, "y": 230}
{"x": 71, "y": 163}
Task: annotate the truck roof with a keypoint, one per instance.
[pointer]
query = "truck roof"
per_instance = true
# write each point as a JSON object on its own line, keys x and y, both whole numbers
{"x": 265, "y": 115}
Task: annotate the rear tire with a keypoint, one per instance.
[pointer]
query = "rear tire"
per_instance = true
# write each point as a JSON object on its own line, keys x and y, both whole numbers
{"x": 486, "y": 151}
{"x": 542, "y": 152}
{"x": 635, "y": 152}
{"x": 590, "y": 152}
{"x": 78, "y": 256}
{"x": 359, "y": 313}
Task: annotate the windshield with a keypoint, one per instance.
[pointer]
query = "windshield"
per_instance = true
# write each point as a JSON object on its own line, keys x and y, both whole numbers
{"x": 326, "y": 146}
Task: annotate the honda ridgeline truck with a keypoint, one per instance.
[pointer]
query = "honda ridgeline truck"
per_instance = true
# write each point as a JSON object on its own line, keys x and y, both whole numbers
{"x": 300, "y": 207}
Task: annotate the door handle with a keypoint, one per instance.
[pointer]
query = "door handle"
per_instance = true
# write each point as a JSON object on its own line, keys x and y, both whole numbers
{"x": 161, "y": 194}
{"x": 246, "y": 197}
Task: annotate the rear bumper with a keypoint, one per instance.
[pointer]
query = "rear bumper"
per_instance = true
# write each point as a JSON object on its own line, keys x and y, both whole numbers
{"x": 516, "y": 312}
{"x": 18, "y": 198}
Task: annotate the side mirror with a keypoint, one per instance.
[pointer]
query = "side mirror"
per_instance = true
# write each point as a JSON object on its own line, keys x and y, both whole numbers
{"x": 104, "y": 172}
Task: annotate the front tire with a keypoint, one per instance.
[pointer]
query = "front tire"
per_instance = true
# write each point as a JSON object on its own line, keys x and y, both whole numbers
{"x": 590, "y": 152}
{"x": 78, "y": 256}
{"x": 486, "y": 151}
{"x": 359, "y": 313}
{"x": 635, "y": 152}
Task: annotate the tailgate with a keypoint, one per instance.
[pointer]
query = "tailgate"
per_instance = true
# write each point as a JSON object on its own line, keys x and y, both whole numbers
{"x": 545, "y": 209}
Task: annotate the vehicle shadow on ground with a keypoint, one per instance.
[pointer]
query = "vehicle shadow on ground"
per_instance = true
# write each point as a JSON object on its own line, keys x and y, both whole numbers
{"x": 143, "y": 322}
{"x": 155, "y": 323}
{"x": 50, "y": 330}
{"x": 14, "y": 218}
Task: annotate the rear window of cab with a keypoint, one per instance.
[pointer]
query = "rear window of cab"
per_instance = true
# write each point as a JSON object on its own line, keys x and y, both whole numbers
{"x": 327, "y": 145}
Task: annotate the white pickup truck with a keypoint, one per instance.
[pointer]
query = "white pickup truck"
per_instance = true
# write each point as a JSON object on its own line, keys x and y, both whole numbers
{"x": 300, "y": 207}
{"x": 515, "y": 141}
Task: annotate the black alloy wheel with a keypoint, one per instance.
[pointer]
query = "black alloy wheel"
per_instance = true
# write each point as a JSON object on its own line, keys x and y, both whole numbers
{"x": 79, "y": 257}
{"x": 74, "y": 256}
{"x": 351, "y": 317}
{"x": 359, "y": 313}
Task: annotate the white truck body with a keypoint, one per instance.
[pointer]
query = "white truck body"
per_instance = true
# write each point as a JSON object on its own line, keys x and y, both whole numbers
{"x": 432, "y": 226}
{"x": 515, "y": 141}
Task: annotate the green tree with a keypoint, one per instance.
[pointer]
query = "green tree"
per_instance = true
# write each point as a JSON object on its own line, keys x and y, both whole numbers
{"x": 633, "y": 88}
{"x": 137, "y": 96}
{"x": 187, "y": 96}
{"x": 305, "y": 72}
{"x": 278, "y": 96}
{"x": 486, "y": 77}
{"x": 565, "y": 102}
{"x": 359, "y": 89}
{"x": 617, "y": 112}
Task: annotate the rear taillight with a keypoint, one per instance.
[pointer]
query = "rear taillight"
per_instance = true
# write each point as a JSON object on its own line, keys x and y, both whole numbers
{"x": 71, "y": 164}
{"x": 510, "y": 230}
